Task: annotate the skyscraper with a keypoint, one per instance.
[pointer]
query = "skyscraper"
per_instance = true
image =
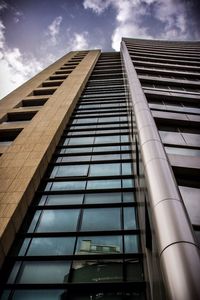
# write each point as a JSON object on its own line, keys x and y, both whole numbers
{"x": 99, "y": 184}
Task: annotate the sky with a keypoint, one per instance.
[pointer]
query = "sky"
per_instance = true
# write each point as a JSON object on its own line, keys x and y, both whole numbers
{"x": 35, "y": 33}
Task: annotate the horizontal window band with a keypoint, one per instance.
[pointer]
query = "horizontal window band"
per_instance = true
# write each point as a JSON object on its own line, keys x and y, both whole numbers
{"x": 93, "y": 286}
{"x": 88, "y": 191}
{"x": 89, "y": 162}
{"x": 80, "y": 257}
{"x": 121, "y": 232}
{"x": 84, "y": 205}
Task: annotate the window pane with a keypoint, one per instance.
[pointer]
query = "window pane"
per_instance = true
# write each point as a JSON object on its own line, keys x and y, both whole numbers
{"x": 126, "y": 169}
{"x": 99, "y": 245}
{"x": 103, "y": 184}
{"x": 107, "y": 139}
{"x": 81, "y": 140}
{"x": 44, "y": 272}
{"x": 67, "y": 185}
{"x": 101, "y": 219}
{"x": 58, "y": 220}
{"x": 72, "y": 170}
{"x": 97, "y": 271}
{"x": 38, "y": 294}
{"x": 129, "y": 218}
{"x": 120, "y": 295}
{"x": 128, "y": 197}
{"x": 134, "y": 270}
{"x": 104, "y": 170}
{"x": 128, "y": 183}
{"x": 103, "y": 198}
{"x": 64, "y": 199}
{"x": 131, "y": 243}
{"x": 51, "y": 246}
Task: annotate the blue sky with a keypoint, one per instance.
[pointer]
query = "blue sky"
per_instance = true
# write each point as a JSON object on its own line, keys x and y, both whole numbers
{"x": 34, "y": 33}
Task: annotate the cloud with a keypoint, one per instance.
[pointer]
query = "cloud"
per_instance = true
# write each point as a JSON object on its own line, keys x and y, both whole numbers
{"x": 146, "y": 18}
{"x": 98, "y": 6}
{"x": 79, "y": 41}
{"x": 15, "y": 67}
{"x": 54, "y": 30}
{"x": 3, "y": 5}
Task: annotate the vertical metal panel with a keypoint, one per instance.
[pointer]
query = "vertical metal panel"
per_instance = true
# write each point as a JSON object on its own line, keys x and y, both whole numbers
{"x": 178, "y": 252}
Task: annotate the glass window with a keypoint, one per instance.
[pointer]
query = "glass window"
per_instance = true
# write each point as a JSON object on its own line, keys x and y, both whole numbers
{"x": 72, "y": 170}
{"x": 101, "y": 219}
{"x": 102, "y": 295}
{"x": 124, "y": 138}
{"x": 107, "y": 139}
{"x": 63, "y": 199}
{"x": 128, "y": 197}
{"x": 106, "y": 148}
{"x": 128, "y": 183}
{"x": 103, "y": 198}
{"x": 44, "y": 272}
{"x": 106, "y": 157}
{"x": 134, "y": 270}
{"x": 99, "y": 245}
{"x": 103, "y": 184}
{"x": 126, "y": 168}
{"x": 131, "y": 243}
{"x": 58, "y": 220}
{"x": 49, "y": 246}
{"x": 104, "y": 170}
{"x": 76, "y": 150}
{"x": 67, "y": 185}
{"x": 38, "y": 294}
{"x": 73, "y": 158}
{"x": 81, "y": 140}
{"x": 97, "y": 271}
{"x": 129, "y": 218}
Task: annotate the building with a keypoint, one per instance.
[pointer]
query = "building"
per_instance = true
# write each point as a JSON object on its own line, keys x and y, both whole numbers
{"x": 100, "y": 177}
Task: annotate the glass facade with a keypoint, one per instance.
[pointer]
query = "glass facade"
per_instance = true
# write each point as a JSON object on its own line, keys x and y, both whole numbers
{"x": 82, "y": 228}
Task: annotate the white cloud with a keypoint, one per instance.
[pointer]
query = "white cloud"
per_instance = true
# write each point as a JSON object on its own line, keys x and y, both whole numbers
{"x": 15, "y": 67}
{"x": 79, "y": 41}
{"x": 131, "y": 15}
{"x": 54, "y": 30}
{"x": 127, "y": 30}
{"x": 98, "y": 6}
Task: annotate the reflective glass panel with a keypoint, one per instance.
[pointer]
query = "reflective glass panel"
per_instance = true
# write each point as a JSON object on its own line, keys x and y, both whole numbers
{"x": 103, "y": 184}
{"x": 67, "y": 185}
{"x": 58, "y": 220}
{"x": 44, "y": 272}
{"x": 72, "y": 170}
{"x": 97, "y": 271}
{"x": 134, "y": 270}
{"x": 64, "y": 199}
{"x": 99, "y": 245}
{"x": 131, "y": 243}
{"x": 101, "y": 219}
{"x": 129, "y": 218}
{"x": 50, "y": 246}
{"x": 104, "y": 170}
{"x": 38, "y": 295}
{"x": 103, "y": 198}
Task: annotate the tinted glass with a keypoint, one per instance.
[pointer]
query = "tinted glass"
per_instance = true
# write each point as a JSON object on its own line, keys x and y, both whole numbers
{"x": 58, "y": 220}
{"x": 99, "y": 245}
{"x": 101, "y": 219}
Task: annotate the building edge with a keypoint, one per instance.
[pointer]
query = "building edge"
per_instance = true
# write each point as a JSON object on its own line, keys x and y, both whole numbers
{"x": 177, "y": 249}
